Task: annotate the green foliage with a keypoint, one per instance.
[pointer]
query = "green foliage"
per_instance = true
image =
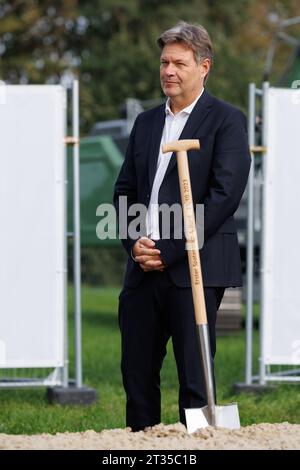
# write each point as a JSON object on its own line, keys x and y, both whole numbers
{"x": 111, "y": 46}
{"x": 26, "y": 411}
{"x": 103, "y": 266}
{"x": 35, "y": 39}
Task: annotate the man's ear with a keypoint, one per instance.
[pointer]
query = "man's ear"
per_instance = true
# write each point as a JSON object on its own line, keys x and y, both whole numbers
{"x": 206, "y": 64}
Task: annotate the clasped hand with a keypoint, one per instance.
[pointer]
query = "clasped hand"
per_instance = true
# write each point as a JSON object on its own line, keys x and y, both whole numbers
{"x": 147, "y": 255}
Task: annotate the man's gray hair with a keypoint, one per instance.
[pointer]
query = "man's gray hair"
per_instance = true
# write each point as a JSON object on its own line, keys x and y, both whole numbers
{"x": 194, "y": 36}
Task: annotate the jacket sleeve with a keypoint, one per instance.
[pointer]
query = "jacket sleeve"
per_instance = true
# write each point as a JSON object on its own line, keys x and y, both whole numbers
{"x": 231, "y": 164}
{"x": 228, "y": 178}
{"x": 126, "y": 185}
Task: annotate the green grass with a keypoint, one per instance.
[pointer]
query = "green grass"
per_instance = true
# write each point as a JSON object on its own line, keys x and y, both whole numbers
{"x": 27, "y": 411}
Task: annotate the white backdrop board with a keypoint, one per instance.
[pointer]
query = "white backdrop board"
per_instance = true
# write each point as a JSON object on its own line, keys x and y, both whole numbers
{"x": 281, "y": 229}
{"x": 32, "y": 235}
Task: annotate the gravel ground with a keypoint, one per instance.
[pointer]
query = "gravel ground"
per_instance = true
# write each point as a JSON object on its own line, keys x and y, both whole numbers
{"x": 175, "y": 437}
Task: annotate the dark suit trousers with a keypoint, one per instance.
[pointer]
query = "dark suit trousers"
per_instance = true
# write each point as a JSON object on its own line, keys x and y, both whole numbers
{"x": 148, "y": 316}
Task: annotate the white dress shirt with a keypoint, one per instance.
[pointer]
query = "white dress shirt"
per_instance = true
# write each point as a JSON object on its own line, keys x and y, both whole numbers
{"x": 173, "y": 128}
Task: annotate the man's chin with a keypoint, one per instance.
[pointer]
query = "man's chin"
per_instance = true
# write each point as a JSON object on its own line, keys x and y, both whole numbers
{"x": 170, "y": 93}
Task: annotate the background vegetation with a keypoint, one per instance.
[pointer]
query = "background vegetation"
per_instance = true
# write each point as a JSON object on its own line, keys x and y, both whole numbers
{"x": 110, "y": 45}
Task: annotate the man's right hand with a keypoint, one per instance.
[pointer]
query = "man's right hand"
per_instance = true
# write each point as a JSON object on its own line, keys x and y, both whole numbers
{"x": 147, "y": 255}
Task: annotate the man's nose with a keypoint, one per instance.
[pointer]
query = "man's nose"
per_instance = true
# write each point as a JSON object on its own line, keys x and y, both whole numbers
{"x": 170, "y": 70}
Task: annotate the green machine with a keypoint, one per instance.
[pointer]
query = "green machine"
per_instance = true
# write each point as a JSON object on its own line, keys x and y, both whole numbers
{"x": 292, "y": 76}
{"x": 100, "y": 163}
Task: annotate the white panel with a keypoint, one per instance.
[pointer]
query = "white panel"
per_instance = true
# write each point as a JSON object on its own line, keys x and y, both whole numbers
{"x": 32, "y": 235}
{"x": 281, "y": 236}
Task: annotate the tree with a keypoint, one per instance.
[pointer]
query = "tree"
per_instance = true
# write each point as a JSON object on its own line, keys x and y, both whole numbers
{"x": 111, "y": 46}
{"x": 34, "y": 40}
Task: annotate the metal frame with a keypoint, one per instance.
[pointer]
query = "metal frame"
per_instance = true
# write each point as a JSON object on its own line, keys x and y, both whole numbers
{"x": 265, "y": 373}
{"x": 76, "y": 235}
{"x": 262, "y": 369}
{"x": 59, "y": 376}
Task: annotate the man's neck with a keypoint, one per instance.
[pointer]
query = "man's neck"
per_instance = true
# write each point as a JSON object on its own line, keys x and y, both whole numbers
{"x": 177, "y": 104}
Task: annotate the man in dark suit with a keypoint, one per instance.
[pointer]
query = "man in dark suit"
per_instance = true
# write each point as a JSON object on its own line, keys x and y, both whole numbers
{"x": 156, "y": 301}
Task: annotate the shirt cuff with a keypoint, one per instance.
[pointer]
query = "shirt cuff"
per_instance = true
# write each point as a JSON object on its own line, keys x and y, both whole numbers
{"x": 131, "y": 254}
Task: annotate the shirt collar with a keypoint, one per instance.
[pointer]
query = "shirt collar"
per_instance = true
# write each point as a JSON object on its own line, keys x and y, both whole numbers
{"x": 186, "y": 110}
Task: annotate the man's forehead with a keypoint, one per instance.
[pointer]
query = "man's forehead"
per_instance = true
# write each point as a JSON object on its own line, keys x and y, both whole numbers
{"x": 176, "y": 50}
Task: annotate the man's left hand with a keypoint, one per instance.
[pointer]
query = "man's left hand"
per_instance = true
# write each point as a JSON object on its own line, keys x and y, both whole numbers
{"x": 144, "y": 255}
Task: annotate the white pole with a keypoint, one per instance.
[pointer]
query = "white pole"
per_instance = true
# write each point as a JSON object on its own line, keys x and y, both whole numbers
{"x": 262, "y": 371}
{"x": 65, "y": 371}
{"x": 250, "y": 241}
{"x": 76, "y": 239}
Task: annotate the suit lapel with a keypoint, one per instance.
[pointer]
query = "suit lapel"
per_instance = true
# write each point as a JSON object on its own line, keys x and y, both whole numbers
{"x": 156, "y": 135}
{"x": 197, "y": 117}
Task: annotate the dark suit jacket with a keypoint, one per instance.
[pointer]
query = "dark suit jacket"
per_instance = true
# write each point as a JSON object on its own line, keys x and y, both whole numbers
{"x": 219, "y": 172}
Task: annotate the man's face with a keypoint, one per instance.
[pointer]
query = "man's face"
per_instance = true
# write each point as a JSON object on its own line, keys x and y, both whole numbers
{"x": 180, "y": 76}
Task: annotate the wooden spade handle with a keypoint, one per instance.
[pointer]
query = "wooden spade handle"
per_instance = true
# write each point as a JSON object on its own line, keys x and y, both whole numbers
{"x": 179, "y": 145}
{"x": 191, "y": 238}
